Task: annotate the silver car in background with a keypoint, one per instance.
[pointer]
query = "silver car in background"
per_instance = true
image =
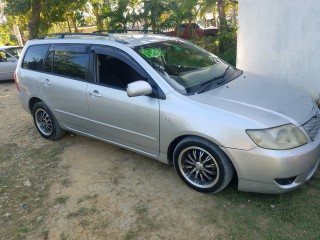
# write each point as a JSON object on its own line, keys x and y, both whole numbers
{"x": 170, "y": 100}
{"x": 9, "y": 56}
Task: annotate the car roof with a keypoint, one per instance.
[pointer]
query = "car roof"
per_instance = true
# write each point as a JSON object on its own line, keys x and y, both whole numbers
{"x": 7, "y": 47}
{"x": 128, "y": 39}
{"x": 141, "y": 39}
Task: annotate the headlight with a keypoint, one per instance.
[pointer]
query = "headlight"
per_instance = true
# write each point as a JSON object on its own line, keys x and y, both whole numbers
{"x": 282, "y": 137}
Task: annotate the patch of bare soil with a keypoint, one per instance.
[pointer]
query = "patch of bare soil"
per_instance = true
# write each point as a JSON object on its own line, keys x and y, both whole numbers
{"x": 80, "y": 188}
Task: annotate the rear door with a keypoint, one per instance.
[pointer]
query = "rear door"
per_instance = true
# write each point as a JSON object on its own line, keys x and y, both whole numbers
{"x": 64, "y": 84}
{"x": 131, "y": 122}
{"x": 8, "y": 65}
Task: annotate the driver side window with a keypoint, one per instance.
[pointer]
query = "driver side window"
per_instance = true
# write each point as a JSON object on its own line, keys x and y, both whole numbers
{"x": 3, "y": 56}
{"x": 114, "y": 72}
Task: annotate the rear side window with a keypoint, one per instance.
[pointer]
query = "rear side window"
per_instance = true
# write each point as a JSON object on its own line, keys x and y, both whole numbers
{"x": 68, "y": 61}
{"x": 34, "y": 57}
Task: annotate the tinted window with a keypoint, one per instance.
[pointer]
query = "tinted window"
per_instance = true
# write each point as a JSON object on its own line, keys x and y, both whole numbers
{"x": 71, "y": 63}
{"x": 114, "y": 72}
{"x": 34, "y": 57}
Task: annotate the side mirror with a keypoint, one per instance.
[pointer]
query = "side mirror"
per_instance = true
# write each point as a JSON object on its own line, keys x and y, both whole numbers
{"x": 138, "y": 88}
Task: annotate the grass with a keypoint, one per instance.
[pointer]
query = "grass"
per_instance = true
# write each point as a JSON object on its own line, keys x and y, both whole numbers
{"x": 82, "y": 212}
{"x": 141, "y": 208}
{"x": 130, "y": 235}
{"x": 63, "y": 236}
{"x": 293, "y": 215}
{"x": 144, "y": 223}
{"x": 66, "y": 182}
{"x": 19, "y": 164}
{"x": 61, "y": 200}
{"x": 84, "y": 223}
{"x": 87, "y": 197}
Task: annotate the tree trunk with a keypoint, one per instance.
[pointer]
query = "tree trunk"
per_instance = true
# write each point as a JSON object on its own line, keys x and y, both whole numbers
{"x": 74, "y": 23}
{"x": 34, "y": 23}
{"x": 99, "y": 20}
{"x": 68, "y": 24}
{"x": 222, "y": 15}
{"x": 234, "y": 15}
{"x": 214, "y": 20}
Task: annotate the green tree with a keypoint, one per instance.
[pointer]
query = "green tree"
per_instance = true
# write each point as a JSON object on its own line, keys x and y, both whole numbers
{"x": 41, "y": 14}
{"x": 98, "y": 8}
{"x": 153, "y": 12}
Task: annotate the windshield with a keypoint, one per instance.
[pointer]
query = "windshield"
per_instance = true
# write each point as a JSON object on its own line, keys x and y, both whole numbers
{"x": 188, "y": 68}
{"x": 16, "y": 52}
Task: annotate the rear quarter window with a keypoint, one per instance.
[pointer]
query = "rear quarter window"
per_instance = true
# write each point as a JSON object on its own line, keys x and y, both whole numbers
{"x": 34, "y": 57}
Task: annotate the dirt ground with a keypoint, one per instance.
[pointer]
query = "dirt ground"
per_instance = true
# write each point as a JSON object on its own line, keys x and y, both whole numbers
{"x": 79, "y": 188}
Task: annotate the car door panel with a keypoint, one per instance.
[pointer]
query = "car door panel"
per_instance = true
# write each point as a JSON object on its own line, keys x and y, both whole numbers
{"x": 65, "y": 94}
{"x": 132, "y": 122}
{"x": 68, "y": 100}
{"x": 7, "y": 70}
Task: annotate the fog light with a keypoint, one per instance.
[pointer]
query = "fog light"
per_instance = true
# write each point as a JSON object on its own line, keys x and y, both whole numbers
{"x": 285, "y": 181}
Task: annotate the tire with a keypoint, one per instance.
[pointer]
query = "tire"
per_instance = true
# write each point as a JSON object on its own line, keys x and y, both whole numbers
{"x": 202, "y": 165}
{"x": 46, "y": 123}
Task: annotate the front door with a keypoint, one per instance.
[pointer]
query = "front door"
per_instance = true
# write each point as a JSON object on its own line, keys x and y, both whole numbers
{"x": 7, "y": 66}
{"x": 131, "y": 122}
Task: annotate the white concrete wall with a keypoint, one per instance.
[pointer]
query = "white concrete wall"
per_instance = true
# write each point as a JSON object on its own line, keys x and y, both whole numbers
{"x": 281, "y": 39}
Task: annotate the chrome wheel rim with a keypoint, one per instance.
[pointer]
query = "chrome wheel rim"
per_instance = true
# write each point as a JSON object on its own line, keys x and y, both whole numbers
{"x": 199, "y": 167}
{"x": 43, "y": 122}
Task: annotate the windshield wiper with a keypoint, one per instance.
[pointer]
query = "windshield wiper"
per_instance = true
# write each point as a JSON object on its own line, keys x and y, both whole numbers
{"x": 208, "y": 83}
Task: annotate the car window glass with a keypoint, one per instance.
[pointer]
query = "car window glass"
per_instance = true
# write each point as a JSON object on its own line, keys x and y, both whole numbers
{"x": 115, "y": 72}
{"x": 16, "y": 52}
{"x": 182, "y": 28}
{"x": 2, "y": 56}
{"x": 186, "y": 67}
{"x": 195, "y": 26}
{"x": 67, "y": 63}
{"x": 10, "y": 59}
{"x": 34, "y": 57}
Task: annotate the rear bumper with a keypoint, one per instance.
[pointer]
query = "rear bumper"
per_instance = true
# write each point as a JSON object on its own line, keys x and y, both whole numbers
{"x": 271, "y": 171}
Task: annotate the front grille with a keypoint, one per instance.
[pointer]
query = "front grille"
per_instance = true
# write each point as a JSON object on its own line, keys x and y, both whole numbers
{"x": 313, "y": 125}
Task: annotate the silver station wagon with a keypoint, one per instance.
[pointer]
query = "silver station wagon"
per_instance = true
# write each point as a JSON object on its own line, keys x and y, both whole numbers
{"x": 169, "y": 99}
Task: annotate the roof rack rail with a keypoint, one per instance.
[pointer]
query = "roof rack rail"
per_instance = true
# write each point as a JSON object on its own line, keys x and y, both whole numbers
{"x": 127, "y": 31}
{"x": 96, "y": 34}
{"x": 62, "y": 35}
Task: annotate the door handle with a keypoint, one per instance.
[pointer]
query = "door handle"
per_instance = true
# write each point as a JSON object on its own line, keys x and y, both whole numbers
{"x": 46, "y": 82}
{"x": 95, "y": 93}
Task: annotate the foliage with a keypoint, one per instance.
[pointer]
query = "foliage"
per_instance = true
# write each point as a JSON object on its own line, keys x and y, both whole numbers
{"x": 224, "y": 44}
{"x": 38, "y": 17}
{"x": 180, "y": 11}
{"x": 6, "y": 36}
{"x": 115, "y": 14}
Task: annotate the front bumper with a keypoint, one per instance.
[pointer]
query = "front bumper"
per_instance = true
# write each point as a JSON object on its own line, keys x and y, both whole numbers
{"x": 258, "y": 169}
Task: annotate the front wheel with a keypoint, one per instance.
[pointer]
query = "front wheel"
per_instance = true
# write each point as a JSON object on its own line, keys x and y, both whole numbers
{"x": 46, "y": 123}
{"x": 202, "y": 165}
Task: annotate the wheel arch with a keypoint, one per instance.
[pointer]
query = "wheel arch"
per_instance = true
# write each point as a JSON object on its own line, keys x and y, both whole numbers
{"x": 175, "y": 142}
{"x": 232, "y": 175}
{"x": 32, "y": 102}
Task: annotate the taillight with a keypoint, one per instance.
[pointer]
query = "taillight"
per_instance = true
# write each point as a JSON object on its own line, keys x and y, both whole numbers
{"x": 16, "y": 81}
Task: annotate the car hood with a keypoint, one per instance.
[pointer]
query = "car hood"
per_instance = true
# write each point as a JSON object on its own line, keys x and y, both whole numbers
{"x": 262, "y": 99}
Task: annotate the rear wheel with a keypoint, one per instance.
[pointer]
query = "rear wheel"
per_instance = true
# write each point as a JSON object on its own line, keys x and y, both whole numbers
{"x": 202, "y": 165}
{"x": 46, "y": 123}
